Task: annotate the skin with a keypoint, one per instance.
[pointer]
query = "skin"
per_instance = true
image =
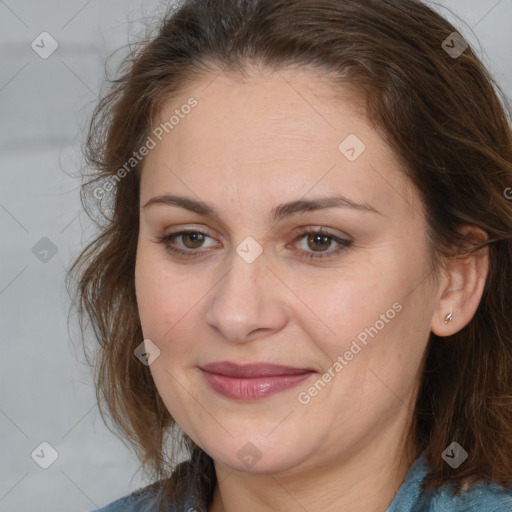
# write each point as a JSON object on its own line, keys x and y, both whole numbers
{"x": 250, "y": 145}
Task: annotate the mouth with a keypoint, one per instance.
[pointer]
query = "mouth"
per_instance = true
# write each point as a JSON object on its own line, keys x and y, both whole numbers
{"x": 249, "y": 382}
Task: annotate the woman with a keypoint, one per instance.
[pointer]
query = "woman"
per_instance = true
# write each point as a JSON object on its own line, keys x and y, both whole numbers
{"x": 302, "y": 275}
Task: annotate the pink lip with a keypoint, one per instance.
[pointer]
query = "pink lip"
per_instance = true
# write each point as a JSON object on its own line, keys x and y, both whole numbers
{"x": 252, "y": 381}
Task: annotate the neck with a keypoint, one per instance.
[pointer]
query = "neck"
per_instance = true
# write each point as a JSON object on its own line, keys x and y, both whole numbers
{"x": 364, "y": 480}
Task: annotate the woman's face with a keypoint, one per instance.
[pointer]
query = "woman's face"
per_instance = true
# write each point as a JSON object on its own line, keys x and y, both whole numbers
{"x": 352, "y": 307}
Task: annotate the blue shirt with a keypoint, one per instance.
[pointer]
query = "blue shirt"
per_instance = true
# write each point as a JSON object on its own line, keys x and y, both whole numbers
{"x": 481, "y": 497}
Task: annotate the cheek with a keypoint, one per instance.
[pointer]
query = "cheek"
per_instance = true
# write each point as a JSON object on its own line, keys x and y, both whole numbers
{"x": 347, "y": 302}
{"x": 150, "y": 292}
{"x": 168, "y": 302}
{"x": 368, "y": 315}
{"x": 167, "y": 312}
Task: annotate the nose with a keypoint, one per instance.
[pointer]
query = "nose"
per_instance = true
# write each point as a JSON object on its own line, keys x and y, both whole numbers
{"x": 249, "y": 301}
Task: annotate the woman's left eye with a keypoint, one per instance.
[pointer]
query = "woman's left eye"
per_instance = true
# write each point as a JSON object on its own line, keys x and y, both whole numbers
{"x": 193, "y": 240}
{"x": 323, "y": 240}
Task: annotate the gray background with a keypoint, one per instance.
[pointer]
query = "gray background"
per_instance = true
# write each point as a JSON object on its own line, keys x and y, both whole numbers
{"x": 46, "y": 391}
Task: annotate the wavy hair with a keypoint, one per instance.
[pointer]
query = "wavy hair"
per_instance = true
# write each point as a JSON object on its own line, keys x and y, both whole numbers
{"x": 445, "y": 118}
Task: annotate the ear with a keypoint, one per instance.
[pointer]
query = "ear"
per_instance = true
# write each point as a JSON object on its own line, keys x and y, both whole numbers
{"x": 462, "y": 285}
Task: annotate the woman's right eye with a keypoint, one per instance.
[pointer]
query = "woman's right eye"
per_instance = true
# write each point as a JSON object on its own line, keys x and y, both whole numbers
{"x": 191, "y": 238}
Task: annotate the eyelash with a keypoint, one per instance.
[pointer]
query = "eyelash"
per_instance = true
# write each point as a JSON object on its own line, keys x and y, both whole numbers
{"x": 191, "y": 253}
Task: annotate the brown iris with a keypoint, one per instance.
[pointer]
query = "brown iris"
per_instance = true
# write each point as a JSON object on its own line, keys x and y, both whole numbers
{"x": 320, "y": 239}
{"x": 196, "y": 240}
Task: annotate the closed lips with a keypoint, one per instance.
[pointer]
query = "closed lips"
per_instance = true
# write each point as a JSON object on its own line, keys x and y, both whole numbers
{"x": 254, "y": 370}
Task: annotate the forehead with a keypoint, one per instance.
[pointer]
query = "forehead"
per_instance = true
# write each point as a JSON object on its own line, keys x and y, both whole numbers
{"x": 288, "y": 106}
{"x": 287, "y": 129}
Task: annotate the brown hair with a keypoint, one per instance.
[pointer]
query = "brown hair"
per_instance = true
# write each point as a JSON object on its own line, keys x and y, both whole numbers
{"x": 444, "y": 117}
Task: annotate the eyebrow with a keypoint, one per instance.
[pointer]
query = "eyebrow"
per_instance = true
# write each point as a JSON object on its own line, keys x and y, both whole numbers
{"x": 278, "y": 213}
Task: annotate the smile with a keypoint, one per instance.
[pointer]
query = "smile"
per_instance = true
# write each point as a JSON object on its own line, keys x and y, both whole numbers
{"x": 252, "y": 382}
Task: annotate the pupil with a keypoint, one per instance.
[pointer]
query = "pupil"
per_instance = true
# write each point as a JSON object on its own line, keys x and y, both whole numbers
{"x": 318, "y": 239}
{"x": 196, "y": 238}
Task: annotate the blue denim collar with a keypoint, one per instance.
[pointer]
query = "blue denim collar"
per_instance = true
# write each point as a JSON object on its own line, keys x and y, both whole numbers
{"x": 481, "y": 497}
{"x": 409, "y": 497}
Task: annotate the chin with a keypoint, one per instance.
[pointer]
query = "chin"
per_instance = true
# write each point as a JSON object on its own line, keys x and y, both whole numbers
{"x": 253, "y": 458}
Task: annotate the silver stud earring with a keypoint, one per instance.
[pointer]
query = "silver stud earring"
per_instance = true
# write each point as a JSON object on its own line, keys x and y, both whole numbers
{"x": 448, "y": 317}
